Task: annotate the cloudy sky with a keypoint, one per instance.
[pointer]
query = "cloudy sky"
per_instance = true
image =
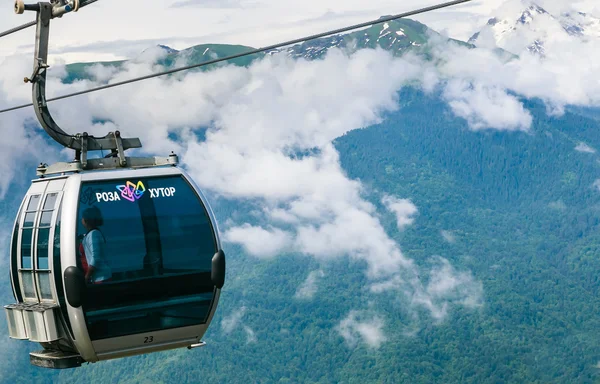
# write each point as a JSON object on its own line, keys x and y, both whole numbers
{"x": 258, "y": 116}
{"x": 111, "y": 29}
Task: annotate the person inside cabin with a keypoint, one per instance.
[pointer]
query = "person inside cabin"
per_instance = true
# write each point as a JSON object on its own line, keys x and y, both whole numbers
{"x": 93, "y": 260}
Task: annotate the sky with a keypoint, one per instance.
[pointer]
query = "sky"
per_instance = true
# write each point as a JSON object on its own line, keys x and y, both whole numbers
{"x": 258, "y": 116}
{"x": 112, "y": 29}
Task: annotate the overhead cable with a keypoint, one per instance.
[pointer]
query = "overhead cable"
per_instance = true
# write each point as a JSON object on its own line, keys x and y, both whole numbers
{"x": 17, "y": 29}
{"x": 31, "y": 24}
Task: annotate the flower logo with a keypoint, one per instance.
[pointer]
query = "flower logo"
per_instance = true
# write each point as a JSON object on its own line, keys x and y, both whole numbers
{"x": 131, "y": 191}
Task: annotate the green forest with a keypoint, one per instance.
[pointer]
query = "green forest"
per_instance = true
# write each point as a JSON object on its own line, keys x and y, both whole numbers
{"x": 523, "y": 213}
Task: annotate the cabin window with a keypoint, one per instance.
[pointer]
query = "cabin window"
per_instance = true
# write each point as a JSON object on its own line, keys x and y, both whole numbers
{"x": 154, "y": 260}
{"x": 35, "y": 241}
{"x": 43, "y": 245}
{"x": 27, "y": 232}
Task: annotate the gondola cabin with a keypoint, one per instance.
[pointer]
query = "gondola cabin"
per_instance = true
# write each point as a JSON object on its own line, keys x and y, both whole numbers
{"x": 112, "y": 256}
{"x": 158, "y": 261}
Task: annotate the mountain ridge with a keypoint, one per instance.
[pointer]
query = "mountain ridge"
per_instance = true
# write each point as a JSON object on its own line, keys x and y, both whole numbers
{"x": 398, "y": 36}
{"x": 532, "y": 27}
{"x": 524, "y": 216}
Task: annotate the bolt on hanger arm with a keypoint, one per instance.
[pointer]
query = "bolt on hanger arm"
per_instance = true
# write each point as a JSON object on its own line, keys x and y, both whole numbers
{"x": 81, "y": 143}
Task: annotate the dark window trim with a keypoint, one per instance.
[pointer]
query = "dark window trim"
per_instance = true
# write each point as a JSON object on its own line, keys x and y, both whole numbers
{"x": 102, "y": 290}
{"x": 15, "y": 253}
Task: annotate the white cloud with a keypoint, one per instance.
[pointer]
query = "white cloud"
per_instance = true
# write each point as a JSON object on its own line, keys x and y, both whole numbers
{"x": 481, "y": 84}
{"x": 362, "y": 326}
{"x": 250, "y": 335}
{"x": 583, "y": 147}
{"x": 446, "y": 286}
{"x": 443, "y": 288}
{"x": 403, "y": 208}
{"x": 255, "y": 119}
{"x": 558, "y": 205}
{"x": 229, "y": 323}
{"x": 251, "y": 23}
{"x": 396, "y": 282}
{"x": 102, "y": 73}
{"x": 486, "y": 106}
{"x": 309, "y": 287}
{"x": 234, "y": 320}
{"x": 209, "y": 3}
{"x": 258, "y": 241}
{"x": 20, "y": 147}
{"x": 6, "y": 227}
{"x": 448, "y": 236}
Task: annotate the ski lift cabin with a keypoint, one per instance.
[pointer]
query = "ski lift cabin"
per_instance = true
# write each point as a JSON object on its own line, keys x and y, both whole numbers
{"x": 157, "y": 283}
{"x": 160, "y": 243}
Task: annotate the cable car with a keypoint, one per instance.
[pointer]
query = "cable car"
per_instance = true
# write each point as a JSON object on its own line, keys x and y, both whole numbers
{"x": 112, "y": 256}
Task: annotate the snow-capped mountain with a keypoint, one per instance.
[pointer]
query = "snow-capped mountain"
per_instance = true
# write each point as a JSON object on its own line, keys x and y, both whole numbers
{"x": 398, "y": 37}
{"x": 526, "y": 25}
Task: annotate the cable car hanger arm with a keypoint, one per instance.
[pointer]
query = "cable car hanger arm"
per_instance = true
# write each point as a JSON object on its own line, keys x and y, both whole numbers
{"x": 81, "y": 143}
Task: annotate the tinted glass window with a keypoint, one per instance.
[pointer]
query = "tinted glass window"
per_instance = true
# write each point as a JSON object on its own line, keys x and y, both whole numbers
{"x": 33, "y": 203}
{"x": 27, "y": 232}
{"x": 153, "y": 249}
{"x": 35, "y": 242}
{"x": 26, "y": 236}
{"x": 28, "y": 288}
{"x": 50, "y": 201}
{"x": 42, "y": 248}
{"x": 43, "y": 232}
{"x": 46, "y": 219}
{"x": 45, "y": 288}
{"x": 29, "y": 219}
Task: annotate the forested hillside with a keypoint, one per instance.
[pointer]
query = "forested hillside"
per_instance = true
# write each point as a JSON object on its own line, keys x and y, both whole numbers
{"x": 520, "y": 210}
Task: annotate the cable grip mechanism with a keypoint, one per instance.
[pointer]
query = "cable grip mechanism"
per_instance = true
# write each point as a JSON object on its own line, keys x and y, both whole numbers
{"x": 59, "y": 7}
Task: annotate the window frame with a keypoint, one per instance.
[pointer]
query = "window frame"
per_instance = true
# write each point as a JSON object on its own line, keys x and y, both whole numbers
{"x": 20, "y": 268}
{"x": 35, "y": 271}
{"x": 51, "y": 236}
{"x": 206, "y": 212}
{"x": 15, "y": 253}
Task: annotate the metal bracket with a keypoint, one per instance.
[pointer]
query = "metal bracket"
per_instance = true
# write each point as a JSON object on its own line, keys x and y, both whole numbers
{"x": 46, "y": 11}
{"x": 63, "y": 6}
{"x": 106, "y": 163}
{"x": 84, "y": 149}
{"x": 41, "y": 66}
{"x": 120, "y": 152}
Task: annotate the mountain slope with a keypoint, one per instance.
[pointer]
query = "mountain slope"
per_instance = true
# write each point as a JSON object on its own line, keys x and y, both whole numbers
{"x": 497, "y": 194}
{"x": 524, "y": 218}
{"x": 527, "y": 26}
{"x": 398, "y": 37}
{"x": 519, "y": 209}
